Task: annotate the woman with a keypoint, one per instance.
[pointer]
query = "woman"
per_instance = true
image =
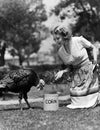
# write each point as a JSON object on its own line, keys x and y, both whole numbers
{"x": 84, "y": 88}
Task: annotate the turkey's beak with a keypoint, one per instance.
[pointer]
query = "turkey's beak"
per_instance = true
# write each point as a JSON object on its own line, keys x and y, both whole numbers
{"x": 41, "y": 84}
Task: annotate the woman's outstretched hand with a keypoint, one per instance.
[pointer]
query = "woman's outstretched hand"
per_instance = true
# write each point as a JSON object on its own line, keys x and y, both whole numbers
{"x": 59, "y": 74}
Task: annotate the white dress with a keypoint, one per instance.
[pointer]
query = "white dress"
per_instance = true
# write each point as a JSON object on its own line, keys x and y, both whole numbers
{"x": 84, "y": 88}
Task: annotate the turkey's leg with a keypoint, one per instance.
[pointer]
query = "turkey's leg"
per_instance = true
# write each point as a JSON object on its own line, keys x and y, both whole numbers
{"x": 25, "y": 98}
{"x": 20, "y": 99}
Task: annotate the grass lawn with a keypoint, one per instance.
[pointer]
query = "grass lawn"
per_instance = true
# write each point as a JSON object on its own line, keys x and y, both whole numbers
{"x": 11, "y": 118}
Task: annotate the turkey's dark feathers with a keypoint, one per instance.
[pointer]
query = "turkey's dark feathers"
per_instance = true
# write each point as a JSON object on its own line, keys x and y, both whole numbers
{"x": 17, "y": 80}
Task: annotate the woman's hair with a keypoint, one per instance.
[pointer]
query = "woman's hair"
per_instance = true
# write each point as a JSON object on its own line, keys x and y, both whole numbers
{"x": 65, "y": 32}
{"x": 54, "y": 30}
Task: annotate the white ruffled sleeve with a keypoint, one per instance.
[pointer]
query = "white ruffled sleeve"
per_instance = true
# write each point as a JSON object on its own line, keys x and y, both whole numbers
{"x": 85, "y": 42}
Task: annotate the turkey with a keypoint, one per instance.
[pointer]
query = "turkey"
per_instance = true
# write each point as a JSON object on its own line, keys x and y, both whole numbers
{"x": 20, "y": 81}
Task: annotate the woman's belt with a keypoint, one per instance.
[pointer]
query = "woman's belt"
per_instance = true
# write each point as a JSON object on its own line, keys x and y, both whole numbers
{"x": 82, "y": 63}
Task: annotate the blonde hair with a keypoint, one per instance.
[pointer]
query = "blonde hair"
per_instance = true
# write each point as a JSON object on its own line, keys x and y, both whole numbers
{"x": 63, "y": 30}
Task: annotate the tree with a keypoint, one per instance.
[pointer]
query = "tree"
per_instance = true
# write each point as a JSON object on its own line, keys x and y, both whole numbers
{"x": 20, "y": 24}
{"x": 88, "y": 13}
{"x": 2, "y": 52}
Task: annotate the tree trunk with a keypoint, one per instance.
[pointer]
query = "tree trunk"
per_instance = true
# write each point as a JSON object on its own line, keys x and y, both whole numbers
{"x": 28, "y": 63}
{"x": 21, "y": 59}
{"x": 2, "y": 53}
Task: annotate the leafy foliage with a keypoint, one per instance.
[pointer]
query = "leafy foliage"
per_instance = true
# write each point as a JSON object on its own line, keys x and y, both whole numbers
{"x": 88, "y": 13}
{"x": 20, "y": 24}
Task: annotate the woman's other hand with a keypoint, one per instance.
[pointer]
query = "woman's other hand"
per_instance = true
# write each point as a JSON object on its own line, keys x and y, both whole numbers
{"x": 95, "y": 62}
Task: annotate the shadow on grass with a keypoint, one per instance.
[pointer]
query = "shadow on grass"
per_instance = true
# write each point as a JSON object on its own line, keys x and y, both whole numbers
{"x": 64, "y": 103}
{"x": 24, "y": 108}
{"x": 8, "y": 96}
{"x": 35, "y": 107}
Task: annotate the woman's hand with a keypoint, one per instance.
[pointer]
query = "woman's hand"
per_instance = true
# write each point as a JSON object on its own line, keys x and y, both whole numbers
{"x": 60, "y": 74}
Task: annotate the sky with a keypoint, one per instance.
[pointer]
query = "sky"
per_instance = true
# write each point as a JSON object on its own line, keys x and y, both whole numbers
{"x": 50, "y": 4}
{"x": 46, "y": 45}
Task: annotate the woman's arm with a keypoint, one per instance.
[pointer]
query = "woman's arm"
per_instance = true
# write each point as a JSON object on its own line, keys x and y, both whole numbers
{"x": 88, "y": 44}
{"x": 94, "y": 50}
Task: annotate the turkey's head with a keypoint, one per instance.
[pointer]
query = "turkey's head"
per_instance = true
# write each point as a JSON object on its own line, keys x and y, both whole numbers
{"x": 41, "y": 84}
